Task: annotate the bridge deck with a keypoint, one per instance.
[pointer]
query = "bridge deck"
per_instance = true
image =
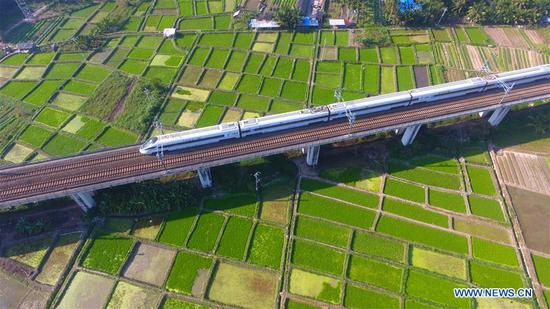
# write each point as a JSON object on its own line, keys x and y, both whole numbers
{"x": 55, "y": 178}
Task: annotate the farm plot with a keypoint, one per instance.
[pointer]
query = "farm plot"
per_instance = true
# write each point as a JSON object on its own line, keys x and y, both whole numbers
{"x": 29, "y": 253}
{"x": 487, "y": 208}
{"x": 359, "y": 297}
{"x": 414, "y": 212}
{"x": 149, "y": 264}
{"x": 341, "y": 193}
{"x": 446, "y": 200}
{"x": 267, "y": 246}
{"x": 376, "y": 273}
{"x": 488, "y": 276}
{"x": 127, "y": 295}
{"x": 440, "y": 291}
{"x": 494, "y": 252}
{"x": 107, "y": 253}
{"x": 424, "y": 176}
{"x": 376, "y": 245}
{"x": 189, "y": 274}
{"x": 58, "y": 258}
{"x": 315, "y": 286}
{"x": 18, "y": 153}
{"x": 404, "y": 190}
{"x": 87, "y": 291}
{"x": 481, "y": 180}
{"x": 43, "y": 92}
{"x": 316, "y": 257}
{"x": 243, "y": 286}
{"x": 440, "y": 263}
{"x": 35, "y": 136}
{"x": 235, "y": 238}
{"x": 177, "y": 226}
{"x": 322, "y": 232}
{"x": 542, "y": 266}
{"x": 387, "y": 80}
{"x": 206, "y": 232}
{"x": 18, "y": 89}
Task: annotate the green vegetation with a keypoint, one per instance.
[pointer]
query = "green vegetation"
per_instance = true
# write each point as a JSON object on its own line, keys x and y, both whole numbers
{"x": 494, "y": 252}
{"x": 435, "y": 289}
{"x": 35, "y": 136}
{"x": 487, "y": 276}
{"x": 315, "y": 286}
{"x": 440, "y": 263}
{"x": 357, "y": 297}
{"x": 267, "y": 246}
{"x": 376, "y": 273}
{"x": 404, "y": 190}
{"x": 481, "y": 180}
{"x": 235, "y": 238}
{"x": 487, "y": 208}
{"x": 340, "y": 193}
{"x": 187, "y": 267}
{"x": 61, "y": 145}
{"x": 317, "y": 257}
{"x": 323, "y": 232}
{"x": 107, "y": 253}
{"x": 331, "y": 210}
{"x": 104, "y": 100}
{"x": 206, "y": 232}
{"x": 177, "y": 226}
{"x": 52, "y": 117}
{"x": 450, "y": 201}
{"x": 424, "y": 235}
{"x": 415, "y": 212}
{"x": 378, "y": 246}
{"x": 542, "y": 266}
{"x": 424, "y": 176}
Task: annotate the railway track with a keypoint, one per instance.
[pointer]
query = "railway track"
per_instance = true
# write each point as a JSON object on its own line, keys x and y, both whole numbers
{"x": 59, "y": 175}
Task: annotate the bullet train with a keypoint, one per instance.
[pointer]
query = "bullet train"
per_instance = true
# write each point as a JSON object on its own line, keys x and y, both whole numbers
{"x": 360, "y": 107}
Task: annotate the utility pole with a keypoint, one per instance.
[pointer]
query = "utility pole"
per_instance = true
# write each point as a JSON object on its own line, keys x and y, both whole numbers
{"x": 258, "y": 179}
{"x": 160, "y": 150}
{"x": 349, "y": 114}
{"x": 440, "y": 18}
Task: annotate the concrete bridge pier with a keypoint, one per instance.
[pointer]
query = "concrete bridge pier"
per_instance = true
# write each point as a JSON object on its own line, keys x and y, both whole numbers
{"x": 410, "y": 134}
{"x": 482, "y": 114}
{"x": 312, "y": 155}
{"x": 498, "y": 115}
{"x": 205, "y": 177}
{"x": 399, "y": 131}
{"x": 85, "y": 200}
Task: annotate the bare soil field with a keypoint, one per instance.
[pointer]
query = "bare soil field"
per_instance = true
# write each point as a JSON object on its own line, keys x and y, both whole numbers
{"x": 87, "y": 291}
{"x": 149, "y": 264}
{"x": 421, "y": 76}
{"x": 525, "y": 171}
{"x": 533, "y": 210}
{"x": 15, "y": 294}
{"x": 498, "y": 36}
{"x": 534, "y": 36}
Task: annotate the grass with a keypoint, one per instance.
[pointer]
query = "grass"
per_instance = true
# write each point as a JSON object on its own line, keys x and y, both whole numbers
{"x": 244, "y": 204}
{"x": 481, "y": 180}
{"x": 43, "y": 92}
{"x": 35, "y": 136}
{"x": 210, "y": 116}
{"x": 322, "y": 232}
{"x": 177, "y": 226}
{"x": 271, "y": 87}
{"x": 316, "y": 286}
{"x": 415, "y": 212}
{"x": 18, "y": 89}
{"x": 249, "y": 84}
{"x": 52, "y": 117}
{"x": 482, "y": 230}
{"x": 164, "y": 74}
{"x": 116, "y": 137}
{"x": 440, "y": 263}
{"x": 357, "y": 297}
{"x": 491, "y": 277}
{"x": 421, "y": 234}
{"x": 62, "y": 70}
{"x": 295, "y": 91}
{"x": 186, "y": 269}
{"x": 494, "y": 252}
{"x": 93, "y": 73}
{"x": 317, "y": 257}
{"x": 387, "y": 83}
{"x": 267, "y": 246}
{"x": 251, "y": 102}
{"x": 435, "y": 289}
{"x": 389, "y": 55}
{"x": 424, "y": 176}
{"x": 108, "y": 94}
{"x": 131, "y": 66}
{"x": 404, "y": 190}
{"x": 243, "y": 286}
{"x": 78, "y": 87}
{"x": 206, "y": 232}
{"x": 487, "y": 208}
{"x": 445, "y": 200}
{"x": 331, "y": 210}
{"x": 405, "y": 79}
{"x": 348, "y": 195}
{"x": 376, "y": 273}
{"x": 108, "y": 253}
{"x": 62, "y": 145}
{"x": 378, "y": 246}
{"x": 542, "y": 266}
{"x": 235, "y": 238}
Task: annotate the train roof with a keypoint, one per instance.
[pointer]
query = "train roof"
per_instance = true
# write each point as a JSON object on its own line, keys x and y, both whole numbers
{"x": 212, "y": 129}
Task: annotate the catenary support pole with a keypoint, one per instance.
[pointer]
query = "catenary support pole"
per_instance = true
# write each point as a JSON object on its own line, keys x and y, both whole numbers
{"x": 410, "y": 134}
{"x": 205, "y": 177}
{"x": 312, "y": 155}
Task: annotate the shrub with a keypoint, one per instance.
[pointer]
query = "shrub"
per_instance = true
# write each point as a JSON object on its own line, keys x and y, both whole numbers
{"x": 104, "y": 100}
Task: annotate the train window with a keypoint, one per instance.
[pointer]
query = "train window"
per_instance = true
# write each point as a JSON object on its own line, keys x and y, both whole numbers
{"x": 151, "y": 141}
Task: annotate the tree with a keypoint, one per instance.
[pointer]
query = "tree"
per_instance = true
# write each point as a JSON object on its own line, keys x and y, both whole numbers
{"x": 374, "y": 36}
{"x": 287, "y": 16}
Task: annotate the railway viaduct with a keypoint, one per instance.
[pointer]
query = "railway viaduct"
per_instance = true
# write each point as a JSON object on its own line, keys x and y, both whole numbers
{"x": 79, "y": 176}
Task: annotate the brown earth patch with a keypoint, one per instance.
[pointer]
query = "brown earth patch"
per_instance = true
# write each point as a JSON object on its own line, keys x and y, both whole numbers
{"x": 149, "y": 264}
{"x": 421, "y": 76}
{"x": 533, "y": 210}
{"x": 515, "y": 38}
{"x": 534, "y": 36}
{"x": 120, "y": 104}
{"x": 499, "y": 36}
